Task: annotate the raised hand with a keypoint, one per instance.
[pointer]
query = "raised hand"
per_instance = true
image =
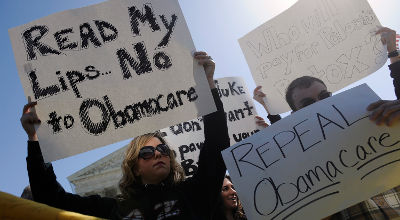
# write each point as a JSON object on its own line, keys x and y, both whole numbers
{"x": 28, "y": 120}
{"x": 260, "y": 121}
{"x": 208, "y": 64}
{"x": 388, "y": 37}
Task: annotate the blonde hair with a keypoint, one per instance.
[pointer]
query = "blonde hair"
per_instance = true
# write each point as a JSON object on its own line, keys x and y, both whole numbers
{"x": 129, "y": 182}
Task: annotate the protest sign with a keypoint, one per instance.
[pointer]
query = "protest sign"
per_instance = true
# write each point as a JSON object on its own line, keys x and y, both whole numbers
{"x": 333, "y": 40}
{"x": 317, "y": 161}
{"x": 109, "y": 72}
{"x": 187, "y": 138}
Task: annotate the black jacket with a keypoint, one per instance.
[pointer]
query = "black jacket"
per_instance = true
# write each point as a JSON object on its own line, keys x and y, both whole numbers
{"x": 395, "y": 74}
{"x": 194, "y": 198}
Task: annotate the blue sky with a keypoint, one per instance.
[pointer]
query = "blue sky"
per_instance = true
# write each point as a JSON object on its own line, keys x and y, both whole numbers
{"x": 215, "y": 27}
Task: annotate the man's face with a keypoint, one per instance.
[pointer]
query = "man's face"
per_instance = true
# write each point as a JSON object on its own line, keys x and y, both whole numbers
{"x": 303, "y": 97}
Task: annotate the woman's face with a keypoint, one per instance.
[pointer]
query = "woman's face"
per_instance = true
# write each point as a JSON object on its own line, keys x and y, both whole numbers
{"x": 229, "y": 196}
{"x": 155, "y": 169}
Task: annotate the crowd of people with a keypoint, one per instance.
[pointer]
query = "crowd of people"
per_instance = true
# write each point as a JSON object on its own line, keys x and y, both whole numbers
{"x": 153, "y": 185}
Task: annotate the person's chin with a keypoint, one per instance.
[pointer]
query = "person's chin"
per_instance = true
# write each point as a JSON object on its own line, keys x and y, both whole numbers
{"x": 161, "y": 171}
{"x": 234, "y": 205}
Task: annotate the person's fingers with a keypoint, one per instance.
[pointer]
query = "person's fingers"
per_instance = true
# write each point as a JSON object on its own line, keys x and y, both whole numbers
{"x": 203, "y": 57}
{"x": 35, "y": 118}
{"x": 378, "y": 112}
{"x": 25, "y": 118}
{"x": 378, "y": 115}
{"x": 382, "y": 110}
{"x": 393, "y": 118}
{"x": 258, "y": 93}
{"x": 375, "y": 105}
{"x": 261, "y": 122}
{"x": 382, "y": 30}
{"x": 197, "y": 53}
{"x": 379, "y": 120}
{"x": 32, "y": 117}
{"x": 28, "y": 106}
{"x": 259, "y": 118}
{"x": 263, "y": 125}
{"x": 257, "y": 89}
{"x": 391, "y": 107}
{"x": 206, "y": 62}
{"x": 383, "y": 40}
{"x": 201, "y": 62}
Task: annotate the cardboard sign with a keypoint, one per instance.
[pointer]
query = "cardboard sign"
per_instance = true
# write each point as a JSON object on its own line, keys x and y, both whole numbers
{"x": 109, "y": 72}
{"x": 187, "y": 138}
{"x": 317, "y": 161}
{"x": 333, "y": 40}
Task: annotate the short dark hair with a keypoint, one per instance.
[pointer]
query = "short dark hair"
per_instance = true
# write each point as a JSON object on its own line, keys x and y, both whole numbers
{"x": 301, "y": 82}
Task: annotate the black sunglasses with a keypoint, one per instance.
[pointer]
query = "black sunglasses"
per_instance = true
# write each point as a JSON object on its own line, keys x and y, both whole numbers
{"x": 148, "y": 152}
{"x": 321, "y": 96}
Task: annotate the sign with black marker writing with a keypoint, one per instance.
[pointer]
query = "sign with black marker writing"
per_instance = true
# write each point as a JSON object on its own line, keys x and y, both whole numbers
{"x": 317, "y": 161}
{"x": 109, "y": 72}
{"x": 187, "y": 138}
{"x": 333, "y": 40}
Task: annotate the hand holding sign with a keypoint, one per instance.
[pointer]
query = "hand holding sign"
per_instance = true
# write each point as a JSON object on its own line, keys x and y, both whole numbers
{"x": 209, "y": 66}
{"x": 259, "y": 96}
{"x": 385, "y": 111}
{"x": 388, "y": 38}
{"x": 260, "y": 121}
{"x": 28, "y": 120}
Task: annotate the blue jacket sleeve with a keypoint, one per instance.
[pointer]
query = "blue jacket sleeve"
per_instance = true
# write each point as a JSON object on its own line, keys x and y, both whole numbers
{"x": 47, "y": 190}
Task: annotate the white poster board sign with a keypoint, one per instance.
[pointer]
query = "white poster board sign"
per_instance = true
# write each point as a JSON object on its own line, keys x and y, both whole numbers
{"x": 109, "y": 72}
{"x": 333, "y": 40}
{"x": 317, "y": 161}
{"x": 187, "y": 138}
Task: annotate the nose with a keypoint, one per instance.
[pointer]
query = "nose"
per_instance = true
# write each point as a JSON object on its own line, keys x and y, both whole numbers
{"x": 157, "y": 154}
{"x": 232, "y": 191}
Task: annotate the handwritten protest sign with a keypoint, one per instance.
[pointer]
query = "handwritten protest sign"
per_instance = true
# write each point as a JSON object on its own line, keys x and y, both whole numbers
{"x": 187, "y": 138}
{"x": 333, "y": 40}
{"x": 317, "y": 161}
{"x": 108, "y": 72}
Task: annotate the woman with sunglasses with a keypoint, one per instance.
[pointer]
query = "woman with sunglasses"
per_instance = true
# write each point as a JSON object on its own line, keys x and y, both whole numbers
{"x": 153, "y": 184}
